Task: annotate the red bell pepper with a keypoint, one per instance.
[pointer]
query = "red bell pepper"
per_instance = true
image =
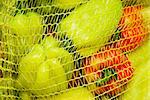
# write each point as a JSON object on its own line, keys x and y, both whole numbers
{"x": 108, "y": 69}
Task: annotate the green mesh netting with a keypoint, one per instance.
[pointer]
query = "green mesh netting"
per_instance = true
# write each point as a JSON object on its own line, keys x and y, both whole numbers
{"x": 74, "y": 49}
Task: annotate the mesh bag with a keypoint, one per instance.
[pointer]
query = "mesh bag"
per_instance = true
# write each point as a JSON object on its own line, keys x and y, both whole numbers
{"x": 74, "y": 49}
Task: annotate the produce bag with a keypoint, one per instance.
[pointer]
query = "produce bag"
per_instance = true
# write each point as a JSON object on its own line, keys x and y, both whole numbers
{"x": 74, "y": 49}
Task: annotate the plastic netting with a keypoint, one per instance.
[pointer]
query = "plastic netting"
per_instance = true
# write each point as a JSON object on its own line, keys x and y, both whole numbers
{"x": 74, "y": 49}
